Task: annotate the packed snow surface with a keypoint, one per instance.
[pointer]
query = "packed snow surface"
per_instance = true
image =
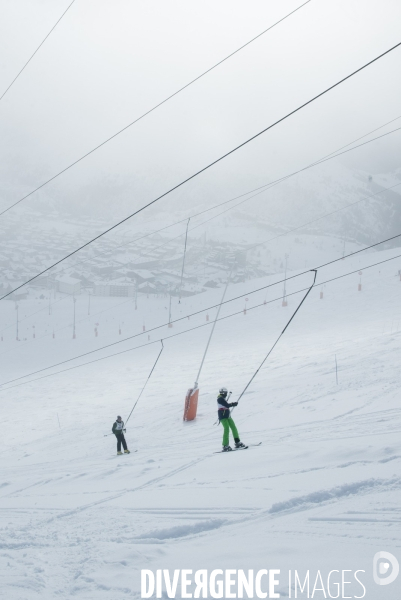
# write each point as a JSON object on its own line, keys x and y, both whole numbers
{"x": 322, "y": 492}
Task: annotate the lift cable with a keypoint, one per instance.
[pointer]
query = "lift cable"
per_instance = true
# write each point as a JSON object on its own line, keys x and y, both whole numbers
{"x": 146, "y": 382}
{"x": 183, "y": 258}
{"x": 278, "y": 339}
{"x": 29, "y": 60}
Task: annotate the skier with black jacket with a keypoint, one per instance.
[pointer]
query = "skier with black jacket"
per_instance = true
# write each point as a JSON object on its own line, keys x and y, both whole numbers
{"x": 225, "y": 419}
{"x": 118, "y": 430}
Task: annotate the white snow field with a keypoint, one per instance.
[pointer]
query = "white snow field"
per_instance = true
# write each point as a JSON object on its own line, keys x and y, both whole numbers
{"x": 322, "y": 492}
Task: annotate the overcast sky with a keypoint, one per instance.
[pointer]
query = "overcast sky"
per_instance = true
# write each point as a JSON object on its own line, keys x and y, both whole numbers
{"x": 108, "y": 61}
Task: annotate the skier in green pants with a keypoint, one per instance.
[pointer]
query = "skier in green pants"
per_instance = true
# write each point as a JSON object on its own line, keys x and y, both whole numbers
{"x": 226, "y": 420}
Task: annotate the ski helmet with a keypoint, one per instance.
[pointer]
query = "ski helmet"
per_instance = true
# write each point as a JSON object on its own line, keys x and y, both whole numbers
{"x": 118, "y": 416}
{"x": 223, "y": 390}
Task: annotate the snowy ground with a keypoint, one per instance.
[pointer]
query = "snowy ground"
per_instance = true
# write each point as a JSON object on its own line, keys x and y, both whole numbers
{"x": 322, "y": 492}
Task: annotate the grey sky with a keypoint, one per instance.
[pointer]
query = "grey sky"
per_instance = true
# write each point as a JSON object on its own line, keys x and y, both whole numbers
{"x": 107, "y": 62}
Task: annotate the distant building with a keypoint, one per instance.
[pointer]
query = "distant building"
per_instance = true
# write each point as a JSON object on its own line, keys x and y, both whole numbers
{"x": 117, "y": 287}
{"x": 68, "y": 285}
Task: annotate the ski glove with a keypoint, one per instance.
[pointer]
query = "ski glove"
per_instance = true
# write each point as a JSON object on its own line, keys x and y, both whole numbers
{"x": 234, "y": 404}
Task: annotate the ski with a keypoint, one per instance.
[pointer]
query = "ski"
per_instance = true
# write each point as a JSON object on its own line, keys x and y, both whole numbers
{"x": 236, "y": 449}
{"x": 126, "y": 453}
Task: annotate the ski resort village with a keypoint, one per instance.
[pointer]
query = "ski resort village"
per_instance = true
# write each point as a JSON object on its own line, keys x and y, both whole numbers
{"x": 152, "y": 265}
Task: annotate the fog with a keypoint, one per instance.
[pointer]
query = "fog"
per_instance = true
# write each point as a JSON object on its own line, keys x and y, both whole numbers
{"x": 107, "y": 63}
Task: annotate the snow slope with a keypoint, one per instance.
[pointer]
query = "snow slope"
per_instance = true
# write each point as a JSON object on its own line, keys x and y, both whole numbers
{"x": 322, "y": 492}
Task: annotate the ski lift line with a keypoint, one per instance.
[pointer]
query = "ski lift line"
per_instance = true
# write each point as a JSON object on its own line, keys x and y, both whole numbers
{"x": 141, "y": 392}
{"x": 278, "y": 339}
{"x": 264, "y": 188}
{"x": 212, "y": 331}
{"x": 185, "y": 252}
{"x": 365, "y": 135}
{"x": 214, "y": 162}
{"x": 332, "y": 155}
{"x": 179, "y": 333}
{"x": 173, "y": 335}
{"x": 37, "y": 49}
{"x": 153, "y": 109}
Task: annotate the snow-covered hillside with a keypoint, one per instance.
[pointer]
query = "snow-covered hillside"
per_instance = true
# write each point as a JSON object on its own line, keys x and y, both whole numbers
{"x": 322, "y": 491}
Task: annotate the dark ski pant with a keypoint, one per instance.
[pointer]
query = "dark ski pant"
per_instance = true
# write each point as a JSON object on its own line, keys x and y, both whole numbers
{"x": 120, "y": 440}
{"x": 227, "y": 425}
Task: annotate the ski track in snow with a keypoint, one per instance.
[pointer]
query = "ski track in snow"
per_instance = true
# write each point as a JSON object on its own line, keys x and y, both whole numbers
{"x": 324, "y": 488}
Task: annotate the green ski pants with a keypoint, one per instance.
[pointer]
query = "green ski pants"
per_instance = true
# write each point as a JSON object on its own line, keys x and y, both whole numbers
{"x": 227, "y": 425}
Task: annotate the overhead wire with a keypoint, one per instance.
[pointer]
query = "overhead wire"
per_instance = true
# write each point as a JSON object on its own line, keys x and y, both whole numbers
{"x": 200, "y": 171}
{"x": 153, "y": 108}
{"x": 288, "y": 278}
{"x": 265, "y": 187}
{"x": 146, "y": 382}
{"x": 184, "y": 256}
{"x": 180, "y": 332}
{"x": 37, "y": 49}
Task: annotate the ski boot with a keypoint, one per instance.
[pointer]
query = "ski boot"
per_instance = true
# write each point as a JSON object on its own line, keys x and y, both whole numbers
{"x": 119, "y": 452}
{"x": 227, "y": 449}
{"x": 126, "y": 451}
{"x": 239, "y": 445}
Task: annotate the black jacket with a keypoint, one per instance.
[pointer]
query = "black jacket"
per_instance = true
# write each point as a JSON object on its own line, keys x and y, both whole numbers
{"x": 223, "y": 410}
{"x": 118, "y": 431}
